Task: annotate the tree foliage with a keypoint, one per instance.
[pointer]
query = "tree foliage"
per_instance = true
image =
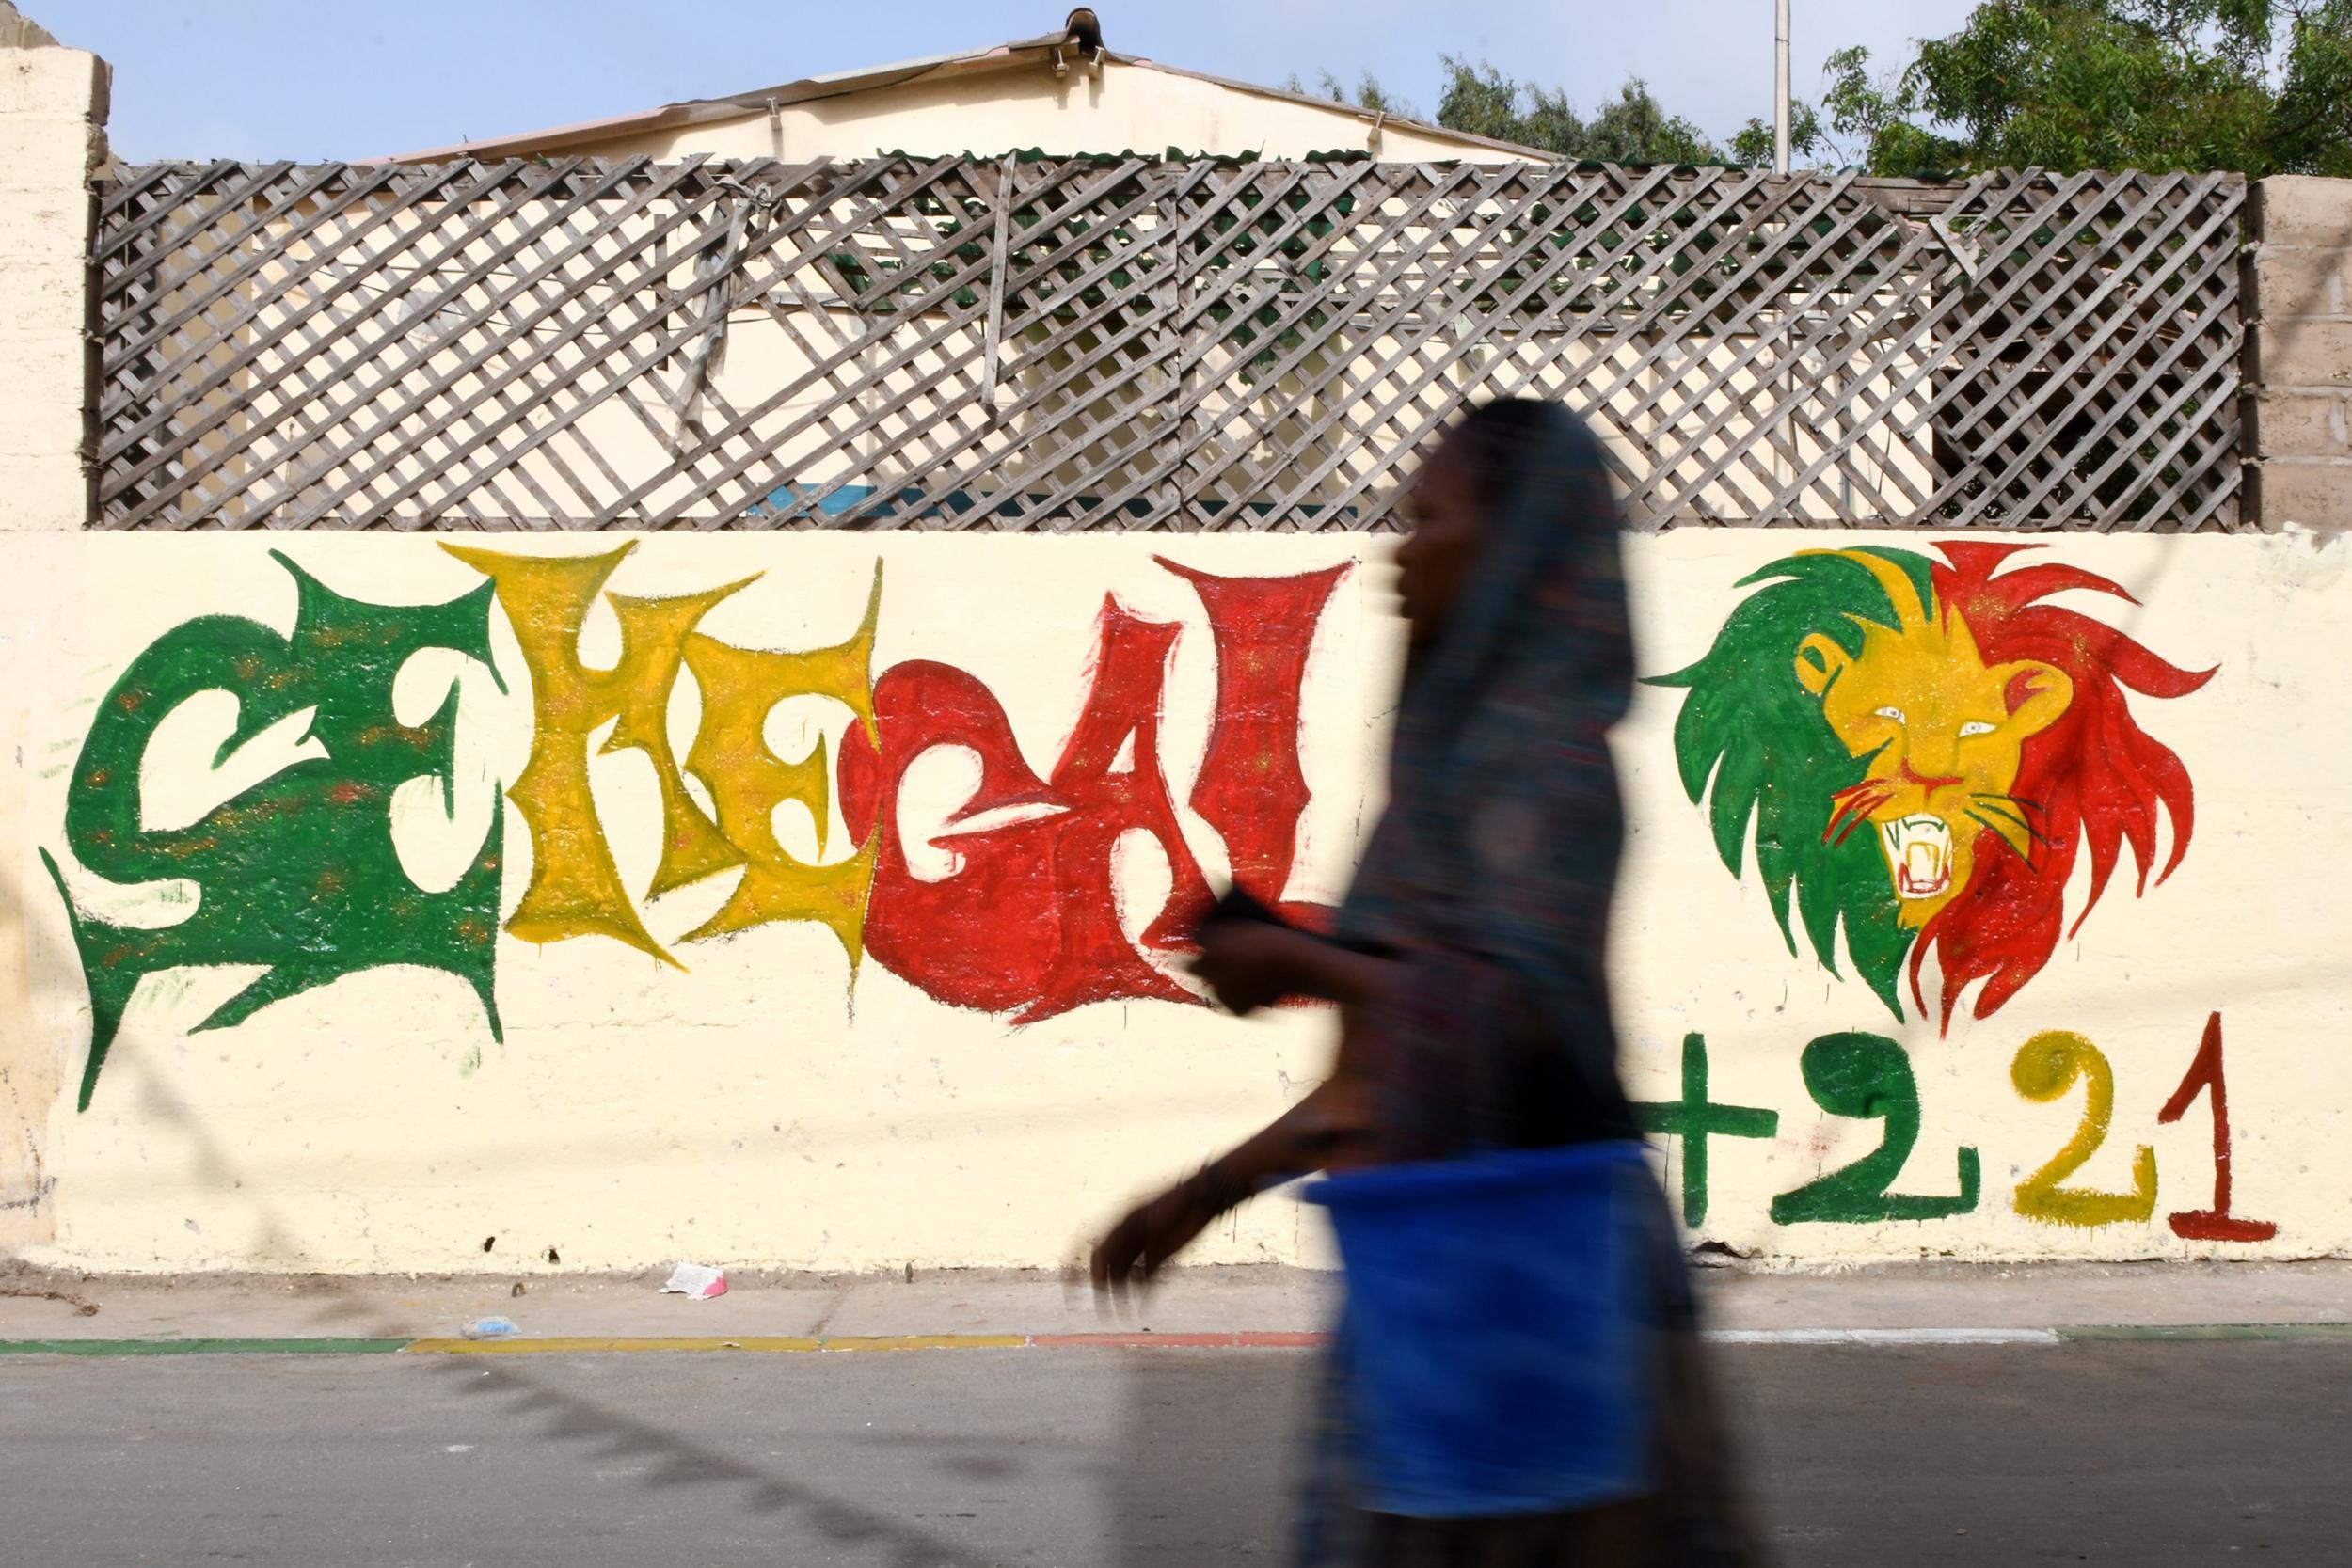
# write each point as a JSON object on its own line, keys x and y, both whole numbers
{"x": 1631, "y": 128}
{"x": 2263, "y": 87}
{"x": 1752, "y": 144}
{"x": 1367, "y": 94}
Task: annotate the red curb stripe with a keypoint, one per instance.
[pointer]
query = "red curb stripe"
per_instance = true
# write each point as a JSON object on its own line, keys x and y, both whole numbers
{"x": 1145, "y": 1340}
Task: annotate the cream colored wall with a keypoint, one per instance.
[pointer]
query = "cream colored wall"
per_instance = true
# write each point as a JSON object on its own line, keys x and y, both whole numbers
{"x": 2252, "y": 925}
{"x": 754, "y": 1108}
{"x": 1128, "y": 108}
{"x": 52, "y": 118}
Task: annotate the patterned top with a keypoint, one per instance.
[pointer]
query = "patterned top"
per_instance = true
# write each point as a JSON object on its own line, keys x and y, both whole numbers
{"x": 1491, "y": 872}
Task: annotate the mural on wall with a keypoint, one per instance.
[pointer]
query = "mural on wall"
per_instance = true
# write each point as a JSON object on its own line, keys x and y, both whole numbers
{"x": 1924, "y": 748}
{"x": 1858, "y": 1076}
{"x": 1920, "y": 749}
{"x": 299, "y": 873}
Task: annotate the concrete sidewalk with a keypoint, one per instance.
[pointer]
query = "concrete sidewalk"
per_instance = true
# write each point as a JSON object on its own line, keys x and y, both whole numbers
{"x": 1259, "y": 1302}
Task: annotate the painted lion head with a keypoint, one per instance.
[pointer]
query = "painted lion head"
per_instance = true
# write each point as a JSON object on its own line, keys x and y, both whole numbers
{"x": 1924, "y": 748}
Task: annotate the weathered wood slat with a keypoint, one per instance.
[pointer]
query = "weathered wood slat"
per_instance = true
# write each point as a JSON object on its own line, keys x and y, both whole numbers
{"x": 444, "y": 383}
{"x": 1888, "y": 351}
{"x": 1129, "y": 343}
{"x": 1407, "y": 398}
{"x": 363, "y": 354}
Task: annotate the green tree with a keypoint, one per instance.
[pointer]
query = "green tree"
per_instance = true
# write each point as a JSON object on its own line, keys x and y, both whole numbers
{"x": 1631, "y": 128}
{"x": 1752, "y": 144}
{"x": 2263, "y": 86}
{"x": 1368, "y": 94}
{"x": 2310, "y": 119}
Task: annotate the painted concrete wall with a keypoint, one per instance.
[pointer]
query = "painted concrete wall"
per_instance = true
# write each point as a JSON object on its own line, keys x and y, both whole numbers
{"x": 52, "y": 114}
{"x": 53, "y": 111}
{"x": 486, "y": 989}
{"x": 1112, "y": 725}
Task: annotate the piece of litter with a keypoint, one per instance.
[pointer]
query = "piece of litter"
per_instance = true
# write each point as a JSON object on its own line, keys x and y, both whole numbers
{"x": 490, "y": 1328}
{"x": 698, "y": 1281}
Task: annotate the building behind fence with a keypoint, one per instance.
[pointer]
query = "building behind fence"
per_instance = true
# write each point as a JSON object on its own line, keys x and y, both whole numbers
{"x": 1129, "y": 343}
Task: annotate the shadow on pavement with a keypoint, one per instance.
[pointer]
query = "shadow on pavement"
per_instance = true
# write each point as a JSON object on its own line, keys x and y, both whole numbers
{"x": 1207, "y": 1456}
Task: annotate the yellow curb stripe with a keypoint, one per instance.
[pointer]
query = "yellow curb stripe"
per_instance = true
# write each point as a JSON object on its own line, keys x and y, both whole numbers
{"x": 771, "y": 1344}
{"x": 930, "y": 1341}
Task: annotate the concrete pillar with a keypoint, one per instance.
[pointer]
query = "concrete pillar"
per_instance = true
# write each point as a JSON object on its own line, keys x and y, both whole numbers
{"x": 2301, "y": 354}
{"x": 52, "y": 117}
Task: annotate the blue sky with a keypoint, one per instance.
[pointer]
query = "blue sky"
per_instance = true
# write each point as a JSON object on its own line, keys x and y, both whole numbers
{"x": 315, "y": 79}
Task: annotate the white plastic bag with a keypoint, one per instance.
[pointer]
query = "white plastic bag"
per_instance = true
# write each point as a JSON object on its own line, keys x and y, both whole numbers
{"x": 698, "y": 1281}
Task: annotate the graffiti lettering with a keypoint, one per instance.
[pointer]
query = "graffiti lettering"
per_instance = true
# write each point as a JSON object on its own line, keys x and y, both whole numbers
{"x": 2204, "y": 1076}
{"x": 575, "y": 887}
{"x": 1694, "y": 1118}
{"x": 747, "y": 781}
{"x": 1250, "y": 789}
{"x": 297, "y": 874}
{"x": 301, "y": 874}
{"x": 1063, "y": 932}
{"x": 1868, "y": 1077}
{"x": 2045, "y": 1068}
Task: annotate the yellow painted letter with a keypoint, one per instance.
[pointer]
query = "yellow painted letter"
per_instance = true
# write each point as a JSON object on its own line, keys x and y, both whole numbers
{"x": 575, "y": 887}
{"x": 748, "y": 781}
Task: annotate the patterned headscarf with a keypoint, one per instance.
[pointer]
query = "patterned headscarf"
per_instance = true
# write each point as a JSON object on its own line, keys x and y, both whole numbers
{"x": 1502, "y": 831}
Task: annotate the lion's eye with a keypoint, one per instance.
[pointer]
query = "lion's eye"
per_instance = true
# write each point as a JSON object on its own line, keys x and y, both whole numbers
{"x": 1975, "y": 726}
{"x": 1894, "y": 713}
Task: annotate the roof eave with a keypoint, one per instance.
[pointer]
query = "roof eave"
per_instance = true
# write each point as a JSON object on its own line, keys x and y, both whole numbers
{"x": 705, "y": 111}
{"x": 1026, "y": 52}
{"x": 1419, "y": 127}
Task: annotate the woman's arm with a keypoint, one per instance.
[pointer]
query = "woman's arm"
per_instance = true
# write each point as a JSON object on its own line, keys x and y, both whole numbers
{"x": 1249, "y": 963}
{"x": 1331, "y": 1126}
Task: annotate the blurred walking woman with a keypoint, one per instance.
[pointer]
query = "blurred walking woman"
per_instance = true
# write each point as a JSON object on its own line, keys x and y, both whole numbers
{"x": 1469, "y": 959}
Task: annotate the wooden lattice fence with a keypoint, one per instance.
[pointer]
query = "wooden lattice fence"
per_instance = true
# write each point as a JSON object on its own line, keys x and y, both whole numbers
{"x": 1134, "y": 343}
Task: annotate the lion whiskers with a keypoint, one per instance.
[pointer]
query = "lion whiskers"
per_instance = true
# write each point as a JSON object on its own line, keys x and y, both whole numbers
{"x": 2012, "y": 813}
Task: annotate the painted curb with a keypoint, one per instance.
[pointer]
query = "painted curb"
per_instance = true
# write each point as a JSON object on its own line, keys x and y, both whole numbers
{"x": 523, "y": 1345}
{"x": 1138, "y": 1340}
{"x": 202, "y": 1347}
{"x": 1880, "y": 1336}
{"x": 2190, "y": 1333}
{"x": 768, "y": 1344}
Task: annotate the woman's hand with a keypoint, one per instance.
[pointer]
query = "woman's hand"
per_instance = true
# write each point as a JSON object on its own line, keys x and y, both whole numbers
{"x": 1248, "y": 964}
{"x": 1251, "y": 963}
{"x": 1151, "y": 1234}
{"x": 1328, "y": 1126}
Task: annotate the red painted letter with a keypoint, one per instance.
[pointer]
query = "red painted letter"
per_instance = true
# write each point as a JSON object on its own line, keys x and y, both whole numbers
{"x": 1251, "y": 788}
{"x": 2215, "y": 1224}
{"x": 1031, "y": 918}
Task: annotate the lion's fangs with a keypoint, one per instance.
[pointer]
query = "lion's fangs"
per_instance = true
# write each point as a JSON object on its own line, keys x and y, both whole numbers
{"x": 1919, "y": 850}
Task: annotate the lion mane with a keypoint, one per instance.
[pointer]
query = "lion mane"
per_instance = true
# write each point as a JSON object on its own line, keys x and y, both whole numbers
{"x": 1752, "y": 747}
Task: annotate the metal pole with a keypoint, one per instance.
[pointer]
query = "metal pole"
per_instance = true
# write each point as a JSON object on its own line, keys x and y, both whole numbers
{"x": 1780, "y": 86}
{"x": 1787, "y": 465}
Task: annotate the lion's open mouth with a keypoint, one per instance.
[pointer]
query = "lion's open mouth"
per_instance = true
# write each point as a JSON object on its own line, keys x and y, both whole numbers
{"x": 1920, "y": 851}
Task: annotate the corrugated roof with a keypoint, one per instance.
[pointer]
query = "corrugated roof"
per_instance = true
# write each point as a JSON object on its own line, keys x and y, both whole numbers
{"x": 1032, "y": 53}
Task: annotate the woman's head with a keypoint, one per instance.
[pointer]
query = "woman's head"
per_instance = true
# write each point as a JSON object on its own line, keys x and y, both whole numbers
{"x": 1452, "y": 501}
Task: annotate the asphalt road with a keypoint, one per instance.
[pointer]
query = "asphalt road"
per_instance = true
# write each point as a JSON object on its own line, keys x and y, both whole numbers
{"x": 2145, "y": 1454}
